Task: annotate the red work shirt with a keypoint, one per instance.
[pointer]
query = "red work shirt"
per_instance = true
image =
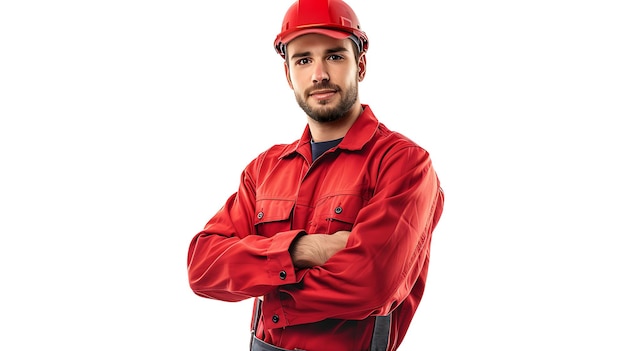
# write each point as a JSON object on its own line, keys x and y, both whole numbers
{"x": 376, "y": 183}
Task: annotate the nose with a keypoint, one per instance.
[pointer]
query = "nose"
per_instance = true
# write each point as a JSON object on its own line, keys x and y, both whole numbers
{"x": 320, "y": 72}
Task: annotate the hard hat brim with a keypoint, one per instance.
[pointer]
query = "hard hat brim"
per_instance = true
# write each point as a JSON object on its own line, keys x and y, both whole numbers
{"x": 336, "y": 34}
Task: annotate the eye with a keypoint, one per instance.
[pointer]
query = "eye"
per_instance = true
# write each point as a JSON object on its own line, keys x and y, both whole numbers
{"x": 302, "y": 61}
{"x": 335, "y": 57}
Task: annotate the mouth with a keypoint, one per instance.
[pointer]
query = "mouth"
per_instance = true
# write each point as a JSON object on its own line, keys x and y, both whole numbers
{"x": 324, "y": 94}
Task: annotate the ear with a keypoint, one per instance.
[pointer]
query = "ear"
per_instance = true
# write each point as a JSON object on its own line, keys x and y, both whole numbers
{"x": 287, "y": 75}
{"x": 362, "y": 64}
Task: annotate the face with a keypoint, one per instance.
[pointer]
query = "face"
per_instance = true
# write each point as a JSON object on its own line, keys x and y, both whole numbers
{"x": 324, "y": 74}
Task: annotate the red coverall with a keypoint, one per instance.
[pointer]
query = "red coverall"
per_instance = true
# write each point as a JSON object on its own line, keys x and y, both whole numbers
{"x": 377, "y": 184}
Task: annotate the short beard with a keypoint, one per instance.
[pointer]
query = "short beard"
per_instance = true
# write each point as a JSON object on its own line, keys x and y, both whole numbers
{"x": 328, "y": 114}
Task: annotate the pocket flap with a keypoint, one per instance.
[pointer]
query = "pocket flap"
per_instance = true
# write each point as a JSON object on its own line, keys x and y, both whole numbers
{"x": 272, "y": 210}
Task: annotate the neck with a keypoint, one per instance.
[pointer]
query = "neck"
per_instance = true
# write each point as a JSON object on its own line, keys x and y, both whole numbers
{"x": 337, "y": 129}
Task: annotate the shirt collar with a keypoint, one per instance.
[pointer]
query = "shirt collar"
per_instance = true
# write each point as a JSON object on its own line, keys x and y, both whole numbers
{"x": 357, "y": 136}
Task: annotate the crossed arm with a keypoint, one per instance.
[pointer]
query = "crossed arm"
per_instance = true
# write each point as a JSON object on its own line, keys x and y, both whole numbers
{"x": 315, "y": 249}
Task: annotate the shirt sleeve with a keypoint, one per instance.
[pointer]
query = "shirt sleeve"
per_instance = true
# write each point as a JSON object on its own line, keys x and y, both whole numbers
{"x": 226, "y": 261}
{"x": 384, "y": 256}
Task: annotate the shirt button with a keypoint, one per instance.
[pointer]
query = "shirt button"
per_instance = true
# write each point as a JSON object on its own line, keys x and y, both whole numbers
{"x": 275, "y": 318}
{"x": 338, "y": 209}
{"x": 282, "y": 275}
{"x": 259, "y": 215}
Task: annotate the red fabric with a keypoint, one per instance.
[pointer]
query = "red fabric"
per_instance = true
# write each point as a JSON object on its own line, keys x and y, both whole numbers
{"x": 376, "y": 183}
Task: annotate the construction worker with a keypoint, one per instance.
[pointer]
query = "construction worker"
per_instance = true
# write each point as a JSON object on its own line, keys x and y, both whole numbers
{"x": 329, "y": 234}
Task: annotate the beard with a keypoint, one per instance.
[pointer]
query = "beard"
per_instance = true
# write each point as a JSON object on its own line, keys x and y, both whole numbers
{"x": 325, "y": 113}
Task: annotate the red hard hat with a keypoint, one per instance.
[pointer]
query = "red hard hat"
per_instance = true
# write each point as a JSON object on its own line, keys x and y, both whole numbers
{"x": 333, "y": 18}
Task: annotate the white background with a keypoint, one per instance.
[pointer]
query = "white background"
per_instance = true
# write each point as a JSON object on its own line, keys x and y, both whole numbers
{"x": 125, "y": 125}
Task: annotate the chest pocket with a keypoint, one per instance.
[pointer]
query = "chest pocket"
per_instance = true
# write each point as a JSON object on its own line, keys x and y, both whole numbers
{"x": 273, "y": 216}
{"x": 336, "y": 212}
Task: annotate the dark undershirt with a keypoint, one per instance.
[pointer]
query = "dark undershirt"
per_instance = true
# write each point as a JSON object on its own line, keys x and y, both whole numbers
{"x": 319, "y": 148}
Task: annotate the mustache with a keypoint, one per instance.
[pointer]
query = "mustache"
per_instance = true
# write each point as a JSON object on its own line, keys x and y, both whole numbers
{"x": 323, "y": 86}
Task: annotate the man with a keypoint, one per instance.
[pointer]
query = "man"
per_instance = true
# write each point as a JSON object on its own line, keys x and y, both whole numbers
{"x": 330, "y": 234}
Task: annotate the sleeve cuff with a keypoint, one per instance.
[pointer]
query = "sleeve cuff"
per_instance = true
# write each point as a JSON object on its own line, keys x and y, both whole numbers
{"x": 280, "y": 267}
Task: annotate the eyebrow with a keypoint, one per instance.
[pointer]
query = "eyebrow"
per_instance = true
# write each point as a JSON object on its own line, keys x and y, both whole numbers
{"x": 308, "y": 53}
